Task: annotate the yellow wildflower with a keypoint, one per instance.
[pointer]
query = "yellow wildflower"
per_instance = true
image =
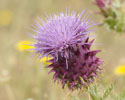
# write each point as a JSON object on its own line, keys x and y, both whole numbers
{"x": 24, "y": 45}
{"x": 5, "y": 17}
{"x": 43, "y": 60}
{"x": 120, "y": 70}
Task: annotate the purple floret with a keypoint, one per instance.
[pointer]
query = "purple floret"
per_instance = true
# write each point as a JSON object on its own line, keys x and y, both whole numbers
{"x": 103, "y": 3}
{"x": 65, "y": 38}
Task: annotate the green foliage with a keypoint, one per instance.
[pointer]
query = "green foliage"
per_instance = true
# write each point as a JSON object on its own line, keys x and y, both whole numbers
{"x": 120, "y": 96}
{"x": 94, "y": 93}
{"x": 115, "y": 16}
{"x": 115, "y": 24}
{"x": 107, "y": 92}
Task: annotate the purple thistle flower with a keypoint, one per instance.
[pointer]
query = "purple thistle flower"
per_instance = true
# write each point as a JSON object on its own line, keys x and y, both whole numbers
{"x": 100, "y": 3}
{"x": 65, "y": 38}
{"x": 103, "y": 3}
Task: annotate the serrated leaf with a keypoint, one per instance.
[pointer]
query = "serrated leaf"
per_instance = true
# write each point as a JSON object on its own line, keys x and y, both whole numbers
{"x": 107, "y": 92}
{"x": 111, "y": 22}
{"x": 94, "y": 93}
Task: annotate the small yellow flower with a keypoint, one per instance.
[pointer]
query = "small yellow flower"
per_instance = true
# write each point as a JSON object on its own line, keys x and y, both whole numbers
{"x": 43, "y": 60}
{"x": 120, "y": 70}
{"x": 24, "y": 45}
{"x": 5, "y": 17}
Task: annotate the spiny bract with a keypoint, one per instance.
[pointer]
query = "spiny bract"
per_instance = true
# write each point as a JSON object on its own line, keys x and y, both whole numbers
{"x": 65, "y": 38}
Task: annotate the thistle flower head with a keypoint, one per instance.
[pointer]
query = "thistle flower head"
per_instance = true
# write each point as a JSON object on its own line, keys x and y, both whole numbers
{"x": 100, "y": 3}
{"x": 65, "y": 38}
{"x": 103, "y": 3}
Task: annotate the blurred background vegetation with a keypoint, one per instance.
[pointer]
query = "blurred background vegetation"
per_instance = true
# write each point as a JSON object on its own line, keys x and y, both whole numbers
{"x": 21, "y": 77}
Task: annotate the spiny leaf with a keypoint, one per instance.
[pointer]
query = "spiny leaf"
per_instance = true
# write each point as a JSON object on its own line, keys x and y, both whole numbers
{"x": 94, "y": 93}
{"x": 107, "y": 92}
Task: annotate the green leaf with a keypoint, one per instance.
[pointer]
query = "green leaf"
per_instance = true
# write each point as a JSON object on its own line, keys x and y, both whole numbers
{"x": 111, "y": 22}
{"x": 94, "y": 93}
{"x": 107, "y": 92}
{"x": 120, "y": 96}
